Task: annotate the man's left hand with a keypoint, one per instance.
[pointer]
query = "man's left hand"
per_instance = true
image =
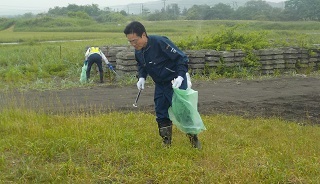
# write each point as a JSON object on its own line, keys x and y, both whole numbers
{"x": 176, "y": 83}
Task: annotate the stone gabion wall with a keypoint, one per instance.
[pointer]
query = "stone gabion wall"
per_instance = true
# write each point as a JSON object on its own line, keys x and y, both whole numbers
{"x": 122, "y": 58}
{"x": 111, "y": 52}
{"x": 272, "y": 60}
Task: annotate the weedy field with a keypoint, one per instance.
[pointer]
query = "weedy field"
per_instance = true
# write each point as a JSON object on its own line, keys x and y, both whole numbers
{"x": 119, "y": 147}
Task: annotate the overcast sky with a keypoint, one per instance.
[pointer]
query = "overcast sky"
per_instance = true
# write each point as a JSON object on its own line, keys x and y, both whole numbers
{"x": 8, "y": 7}
{"x": 38, "y": 6}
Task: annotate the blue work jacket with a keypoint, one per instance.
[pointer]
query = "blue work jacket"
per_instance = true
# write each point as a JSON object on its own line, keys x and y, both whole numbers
{"x": 161, "y": 60}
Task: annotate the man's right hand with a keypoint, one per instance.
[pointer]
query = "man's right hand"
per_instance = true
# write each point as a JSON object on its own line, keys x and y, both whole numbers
{"x": 140, "y": 83}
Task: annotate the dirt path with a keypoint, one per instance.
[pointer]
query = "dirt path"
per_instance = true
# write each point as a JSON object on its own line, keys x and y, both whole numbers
{"x": 292, "y": 98}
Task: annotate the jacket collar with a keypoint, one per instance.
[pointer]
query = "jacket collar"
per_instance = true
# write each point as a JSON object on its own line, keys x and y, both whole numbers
{"x": 147, "y": 47}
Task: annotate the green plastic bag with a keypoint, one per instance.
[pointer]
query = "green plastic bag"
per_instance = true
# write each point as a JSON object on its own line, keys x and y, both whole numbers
{"x": 83, "y": 76}
{"x": 184, "y": 111}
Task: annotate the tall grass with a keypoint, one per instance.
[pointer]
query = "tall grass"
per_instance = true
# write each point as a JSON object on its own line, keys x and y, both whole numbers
{"x": 125, "y": 148}
{"x": 26, "y": 65}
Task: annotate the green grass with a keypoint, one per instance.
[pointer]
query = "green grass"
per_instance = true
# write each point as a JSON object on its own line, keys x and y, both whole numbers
{"x": 36, "y": 64}
{"x": 117, "y": 147}
{"x": 33, "y": 37}
{"x": 125, "y": 148}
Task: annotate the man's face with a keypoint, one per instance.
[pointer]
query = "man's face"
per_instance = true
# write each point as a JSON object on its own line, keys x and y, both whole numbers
{"x": 137, "y": 42}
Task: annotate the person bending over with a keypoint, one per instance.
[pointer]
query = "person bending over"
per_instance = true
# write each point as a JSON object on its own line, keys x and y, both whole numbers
{"x": 94, "y": 55}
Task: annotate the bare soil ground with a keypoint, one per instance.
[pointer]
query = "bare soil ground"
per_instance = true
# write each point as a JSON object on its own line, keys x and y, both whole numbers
{"x": 291, "y": 98}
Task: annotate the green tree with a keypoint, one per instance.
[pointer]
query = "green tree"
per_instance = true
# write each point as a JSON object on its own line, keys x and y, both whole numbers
{"x": 124, "y": 13}
{"x": 184, "y": 11}
{"x": 6, "y": 23}
{"x": 111, "y": 17}
{"x": 58, "y": 11}
{"x": 199, "y": 12}
{"x": 79, "y": 14}
{"x": 254, "y": 10}
{"x": 173, "y": 11}
{"x": 302, "y": 9}
{"x": 157, "y": 15}
{"x": 92, "y": 10}
{"x": 276, "y": 14}
{"x": 28, "y": 15}
{"x": 221, "y": 11}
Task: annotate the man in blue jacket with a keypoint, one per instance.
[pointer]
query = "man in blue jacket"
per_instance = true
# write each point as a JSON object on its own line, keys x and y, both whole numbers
{"x": 167, "y": 65}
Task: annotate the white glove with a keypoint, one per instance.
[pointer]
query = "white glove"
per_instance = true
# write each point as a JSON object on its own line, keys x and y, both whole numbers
{"x": 140, "y": 83}
{"x": 176, "y": 83}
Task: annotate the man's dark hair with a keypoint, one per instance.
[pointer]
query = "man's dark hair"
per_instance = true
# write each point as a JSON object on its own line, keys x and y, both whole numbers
{"x": 135, "y": 27}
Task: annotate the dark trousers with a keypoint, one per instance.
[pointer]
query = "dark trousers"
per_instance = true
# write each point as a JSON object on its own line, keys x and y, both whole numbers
{"x": 163, "y": 100}
{"x": 95, "y": 58}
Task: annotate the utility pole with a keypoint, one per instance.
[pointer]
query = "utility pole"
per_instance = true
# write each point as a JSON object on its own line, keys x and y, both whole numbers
{"x": 141, "y": 8}
{"x": 164, "y": 5}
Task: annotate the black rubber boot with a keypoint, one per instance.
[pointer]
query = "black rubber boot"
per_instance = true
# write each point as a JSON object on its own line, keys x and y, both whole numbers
{"x": 166, "y": 134}
{"x": 101, "y": 77}
{"x": 195, "y": 143}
